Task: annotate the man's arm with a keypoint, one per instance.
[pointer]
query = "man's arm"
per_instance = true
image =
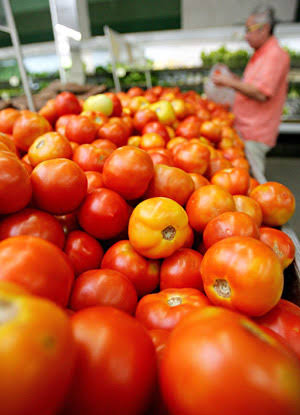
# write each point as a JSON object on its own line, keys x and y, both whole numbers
{"x": 246, "y": 89}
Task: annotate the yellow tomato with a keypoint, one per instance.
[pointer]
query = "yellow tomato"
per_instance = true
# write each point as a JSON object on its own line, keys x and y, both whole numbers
{"x": 158, "y": 227}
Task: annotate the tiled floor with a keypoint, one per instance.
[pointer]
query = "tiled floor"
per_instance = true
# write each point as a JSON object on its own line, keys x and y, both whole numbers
{"x": 287, "y": 172}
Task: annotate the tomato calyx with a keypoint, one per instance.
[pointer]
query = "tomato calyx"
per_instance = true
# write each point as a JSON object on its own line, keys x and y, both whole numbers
{"x": 169, "y": 233}
{"x": 174, "y": 301}
{"x": 222, "y": 288}
{"x": 8, "y": 310}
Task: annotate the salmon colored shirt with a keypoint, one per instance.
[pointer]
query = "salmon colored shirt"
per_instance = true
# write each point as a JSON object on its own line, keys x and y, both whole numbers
{"x": 267, "y": 70}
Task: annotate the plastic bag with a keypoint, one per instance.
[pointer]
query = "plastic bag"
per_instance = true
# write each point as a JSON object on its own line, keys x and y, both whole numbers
{"x": 220, "y": 94}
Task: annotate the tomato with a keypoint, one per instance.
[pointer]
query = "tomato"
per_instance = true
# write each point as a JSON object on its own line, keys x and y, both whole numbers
{"x": 37, "y": 354}
{"x": 217, "y": 164}
{"x": 160, "y": 339}
{"x": 41, "y": 267}
{"x": 59, "y": 186}
{"x": 61, "y": 123}
{"x": 284, "y": 319}
{"x": 135, "y": 91}
{"x": 248, "y": 205}
{"x": 276, "y": 201}
{"x": 49, "y": 146}
{"x": 213, "y": 349}
{"x": 8, "y": 141}
{"x": 170, "y": 182}
{"x": 161, "y": 156}
{"x": 189, "y": 128}
{"x": 103, "y": 214}
{"x": 241, "y": 162}
{"x": 142, "y": 117}
{"x": 8, "y": 117}
{"x": 211, "y": 130}
{"x": 206, "y": 203}
{"x": 151, "y": 141}
{"x": 182, "y": 270}
{"x": 143, "y": 273}
{"x": 117, "y": 106}
{"x": 49, "y": 112}
{"x": 128, "y": 122}
{"x": 119, "y": 378}
{"x": 174, "y": 142}
{"x": 91, "y": 158}
{"x": 229, "y": 224}
{"x": 158, "y": 227}
{"x": 198, "y": 180}
{"x": 83, "y": 251}
{"x": 243, "y": 274}
{"x": 164, "y": 310}
{"x": 128, "y": 171}
{"x": 81, "y": 130}
{"x": 158, "y": 128}
{"x": 94, "y": 180}
{"x": 68, "y": 222}
{"x": 104, "y": 287}
{"x": 192, "y": 158}
{"x": 234, "y": 180}
{"x": 115, "y": 132}
{"x": 15, "y": 187}
{"x": 67, "y": 103}
{"x": 28, "y": 127}
{"x": 104, "y": 144}
{"x": 232, "y": 153}
{"x": 280, "y": 243}
{"x": 35, "y": 223}
{"x": 253, "y": 183}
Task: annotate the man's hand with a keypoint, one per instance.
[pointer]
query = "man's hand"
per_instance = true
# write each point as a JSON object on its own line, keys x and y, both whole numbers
{"x": 222, "y": 80}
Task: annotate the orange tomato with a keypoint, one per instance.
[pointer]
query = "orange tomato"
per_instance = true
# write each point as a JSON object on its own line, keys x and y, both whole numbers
{"x": 158, "y": 227}
{"x": 235, "y": 180}
{"x": 248, "y": 205}
{"x": 152, "y": 140}
{"x": 243, "y": 274}
{"x": 28, "y": 127}
{"x": 49, "y": 146}
{"x": 280, "y": 243}
{"x": 192, "y": 157}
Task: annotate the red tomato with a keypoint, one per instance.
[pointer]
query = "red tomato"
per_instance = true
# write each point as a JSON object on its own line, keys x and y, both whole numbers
{"x": 212, "y": 131}
{"x": 119, "y": 378}
{"x": 35, "y": 223}
{"x": 192, "y": 157}
{"x": 182, "y": 270}
{"x": 61, "y": 123}
{"x": 206, "y": 203}
{"x": 15, "y": 186}
{"x": 164, "y": 310}
{"x": 37, "y": 354}
{"x": 8, "y": 117}
{"x": 104, "y": 144}
{"x": 83, "y": 251}
{"x": 229, "y": 224}
{"x": 117, "y": 106}
{"x": 198, "y": 180}
{"x": 276, "y": 201}
{"x": 161, "y": 156}
{"x": 67, "y": 103}
{"x": 28, "y": 127}
{"x": 250, "y": 206}
{"x": 142, "y": 272}
{"x": 8, "y": 141}
{"x": 68, "y": 222}
{"x": 213, "y": 349}
{"x": 280, "y": 243}
{"x": 284, "y": 319}
{"x": 170, "y": 182}
{"x": 190, "y": 127}
{"x": 158, "y": 128}
{"x": 160, "y": 339}
{"x": 128, "y": 171}
{"x": 142, "y": 117}
{"x": 90, "y": 158}
{"x": 104, "y": 287}
{"x": 234, "y": 180}
{"x": 232, "y": 153}
{"x": 217, "y": 164}
{"x": 243, "y": 274}
{"x": 116, "y": 132}
{"x": 103, "y": 214}
{"x": 81, "y": 130}
{"x": 241, "y": 162}
{"x": 94, "y": 180}
{"x": 40, "y": 266}
{"x": 135, "y": 91}
{"x": 49, "y": 112}
{"x": 58, "y": 185}
{"x": 253, "y": 183}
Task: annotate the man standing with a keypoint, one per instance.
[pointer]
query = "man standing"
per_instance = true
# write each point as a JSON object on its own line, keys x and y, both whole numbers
{"x": 262, "y": 91}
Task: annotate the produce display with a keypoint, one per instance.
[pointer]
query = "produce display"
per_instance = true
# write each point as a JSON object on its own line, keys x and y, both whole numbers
{"x": 141, "y": 265}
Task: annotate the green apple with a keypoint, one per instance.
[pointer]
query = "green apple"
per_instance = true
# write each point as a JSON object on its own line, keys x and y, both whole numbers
{"x": 100, "y": 103}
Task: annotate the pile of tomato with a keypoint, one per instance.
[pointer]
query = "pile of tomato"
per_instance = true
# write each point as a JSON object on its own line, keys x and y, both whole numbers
{"x": 141, "y": 266}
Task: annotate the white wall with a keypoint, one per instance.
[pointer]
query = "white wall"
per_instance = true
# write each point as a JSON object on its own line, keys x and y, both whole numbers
{"x": 205, "y": 13}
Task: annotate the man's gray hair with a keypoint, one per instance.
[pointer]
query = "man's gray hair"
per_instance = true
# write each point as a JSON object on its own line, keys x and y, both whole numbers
{"x": 265, "y": 14}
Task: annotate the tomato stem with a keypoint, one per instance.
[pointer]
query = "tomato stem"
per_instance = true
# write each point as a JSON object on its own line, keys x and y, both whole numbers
{"x": 222, "y": 288}
{"x": 169, "y": 233}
